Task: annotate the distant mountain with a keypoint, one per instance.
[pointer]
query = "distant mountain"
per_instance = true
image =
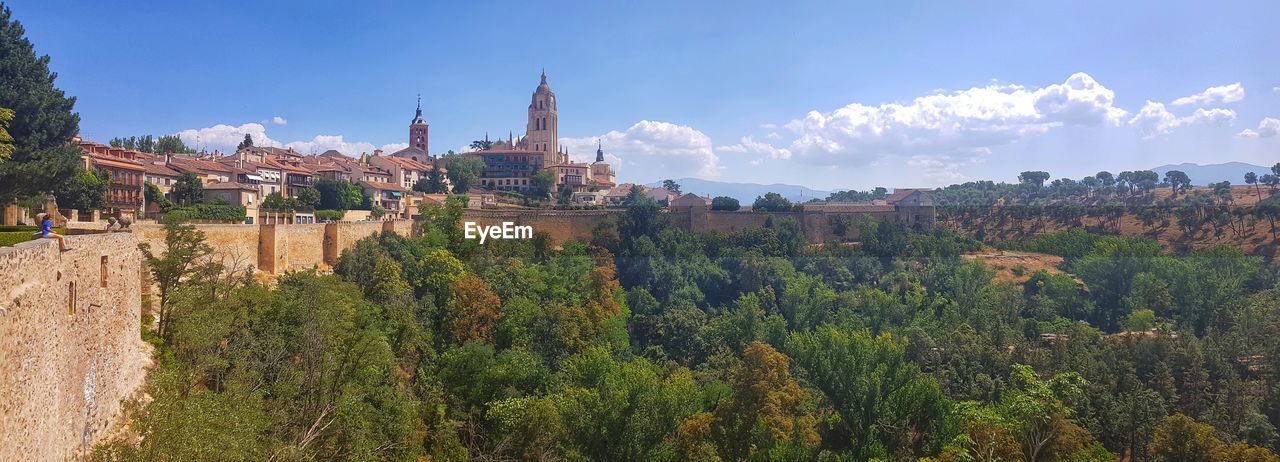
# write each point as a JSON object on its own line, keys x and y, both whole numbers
{"x": 745, "y": 193}
{"x": 1214, "y": 173}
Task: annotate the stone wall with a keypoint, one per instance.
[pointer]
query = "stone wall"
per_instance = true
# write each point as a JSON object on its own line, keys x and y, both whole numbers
{"x": 235, "y": 244}
{"x": 560, "y": 225}
{"x": 70, "y": 348}
{"x": 342, "y": 236}
{"x": 290, "y": 247}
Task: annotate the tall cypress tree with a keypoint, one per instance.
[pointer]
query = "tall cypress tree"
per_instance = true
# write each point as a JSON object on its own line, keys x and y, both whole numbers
{"x": 43, "y": 122}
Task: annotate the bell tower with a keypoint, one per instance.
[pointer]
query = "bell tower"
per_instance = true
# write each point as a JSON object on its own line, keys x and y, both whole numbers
{"x": 418, "y": 130}
{"x": 543, "y": 128}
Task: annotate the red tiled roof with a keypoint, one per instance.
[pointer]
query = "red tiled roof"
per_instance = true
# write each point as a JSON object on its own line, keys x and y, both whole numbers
{"x": 381, "y": 185}
{"x": 903, "y": 193}
{"x": 117, "y": 163}
{"x": 159, "y": 169}
{"x": 230, "y": 185}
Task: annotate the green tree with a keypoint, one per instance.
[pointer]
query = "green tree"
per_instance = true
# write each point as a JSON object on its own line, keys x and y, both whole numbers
{"x": 1181, "y": 439}
{"x": 152, "y": 194}
{"x": 6, "y": 141}
{"x": 188, "y": 190}
{"x": 671, "y": 185}
{"x": 463, "y": 171}
{"x": 185, "y": 261}
{"x": 172, "y": 144}
{"x": 882, "y": 398}
{"x": 1178, "y": 180}
{"x": 771, "y": 202}
{"x": 43, "y": 123}
{"x": 247, "y": 143}
{"x": 1252, "y": 179}
{"x": 1034, "y": 177}
{"x": 86, "y": 191}
{"x": 277, "y": 201}
{"x": 308, "y": 198}
{"x": 725, "y": 203}
{"x": 541, "y": 183}
{"x": 433, "y": 184}
{"x": 338, "y": 194}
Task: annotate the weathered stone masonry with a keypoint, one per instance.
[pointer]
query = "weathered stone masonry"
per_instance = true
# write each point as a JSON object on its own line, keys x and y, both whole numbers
{"x": 70, "y": 349}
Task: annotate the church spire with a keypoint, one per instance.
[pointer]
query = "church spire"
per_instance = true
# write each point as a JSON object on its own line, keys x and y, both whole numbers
{"x": 599, "y": 151}
{"x": 544, "y": 75}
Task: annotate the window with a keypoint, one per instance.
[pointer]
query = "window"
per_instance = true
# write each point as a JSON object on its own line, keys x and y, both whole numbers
{"x": 103, "y": 271}
{"x": 71, "y": 298}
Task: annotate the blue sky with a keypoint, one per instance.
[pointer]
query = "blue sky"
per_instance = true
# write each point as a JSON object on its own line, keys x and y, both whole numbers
{"x": 825, "y": 94}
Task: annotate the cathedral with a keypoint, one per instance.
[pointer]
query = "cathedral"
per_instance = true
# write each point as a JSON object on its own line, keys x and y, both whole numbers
{"x": 510, "y": 164}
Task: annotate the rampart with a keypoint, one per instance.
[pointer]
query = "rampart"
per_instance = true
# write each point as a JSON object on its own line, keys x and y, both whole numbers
{"x": 70, "y": 349}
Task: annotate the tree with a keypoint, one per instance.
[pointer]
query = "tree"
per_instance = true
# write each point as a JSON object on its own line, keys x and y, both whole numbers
{"x": 247, "y": 143}
{"x": 764, "y": 409}
{"x": 152, "y": 194}
{"x": 1038, "y": 410}
{"x": 43, "y": 122}
{"x": 771, "y": 202}
{"x": 6, "y": 141}
{"x": 882, "y": 398}
{"x": 463, "y": 170}
{"x": 671, "y": 185}
{"x": 724, "y": 203}
{"x": 541, "y": 183}
{"x": 482, "y": 145}
{"x": 1271, "y": 180}
{"x": 308, "y": 198}
{"x": 1252, "y": 178}
{"x": 184, "y": 261}
{"x": 473, "y": 310}
{"x": 86, "y": 191}
{"x": 434, "y": 182}
{"x": 172, "y": 144}
{"x": 1177, "y": 180}
{"x": 1181, "y": 439}
{"x": 565, "y": 195}
{"x": 276, "y": 201}
{"x": 338, "y": 194}
{"x": 188, "y": 189}
{"x": 1033, "y": 177}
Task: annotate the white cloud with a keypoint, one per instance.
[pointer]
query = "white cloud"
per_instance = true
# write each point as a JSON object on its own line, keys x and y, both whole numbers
{"x": 749, "y": 145}
{"x": 225, "y": 138}
{"x": 277, "y": 120}
{"x": 1154, "y": 120}
{"x": 961, "y": 123}
{"x": 941, "y": 169}
{"x": 322, "y": 143}
{"x": 1213, "y": 95}
{"x": 1267, "y": 128}
{"x": 1275, "y": 89}
{"x": 651, "y": 149}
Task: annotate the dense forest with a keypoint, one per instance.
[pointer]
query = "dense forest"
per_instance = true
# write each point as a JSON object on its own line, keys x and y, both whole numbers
{"x": 654, "y": 343}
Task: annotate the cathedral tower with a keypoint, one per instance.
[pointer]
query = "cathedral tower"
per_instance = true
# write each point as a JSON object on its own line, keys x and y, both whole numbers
{"x": 418, "y": 130}
{"x": 542, "y": 131}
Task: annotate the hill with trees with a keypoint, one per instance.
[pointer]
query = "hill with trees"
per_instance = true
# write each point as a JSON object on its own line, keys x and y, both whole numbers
{"x": 648, "y": 342}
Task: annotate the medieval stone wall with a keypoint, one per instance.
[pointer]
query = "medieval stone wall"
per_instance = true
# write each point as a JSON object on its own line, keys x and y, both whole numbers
{"x": 70, "y": 345}
{"x": 235, "y": 244}
{"x": 560, "y": 225}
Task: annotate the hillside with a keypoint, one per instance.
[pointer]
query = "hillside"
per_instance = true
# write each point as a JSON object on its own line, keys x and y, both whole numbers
{"x": 1214, "y": 173}
{"x": 746, "y": 192}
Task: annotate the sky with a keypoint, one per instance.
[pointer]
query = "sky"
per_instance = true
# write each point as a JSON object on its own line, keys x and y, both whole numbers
{"x": 831, "y": 95}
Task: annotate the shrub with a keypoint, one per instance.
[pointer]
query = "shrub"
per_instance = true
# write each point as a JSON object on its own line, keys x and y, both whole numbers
{"x": 725, "y": 203}
{"x": 329, "y": 214}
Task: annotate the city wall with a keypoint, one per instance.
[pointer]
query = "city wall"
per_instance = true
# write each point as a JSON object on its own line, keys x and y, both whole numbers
{"x": 70, "y": 348}
{"x": 817, "y": 226}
